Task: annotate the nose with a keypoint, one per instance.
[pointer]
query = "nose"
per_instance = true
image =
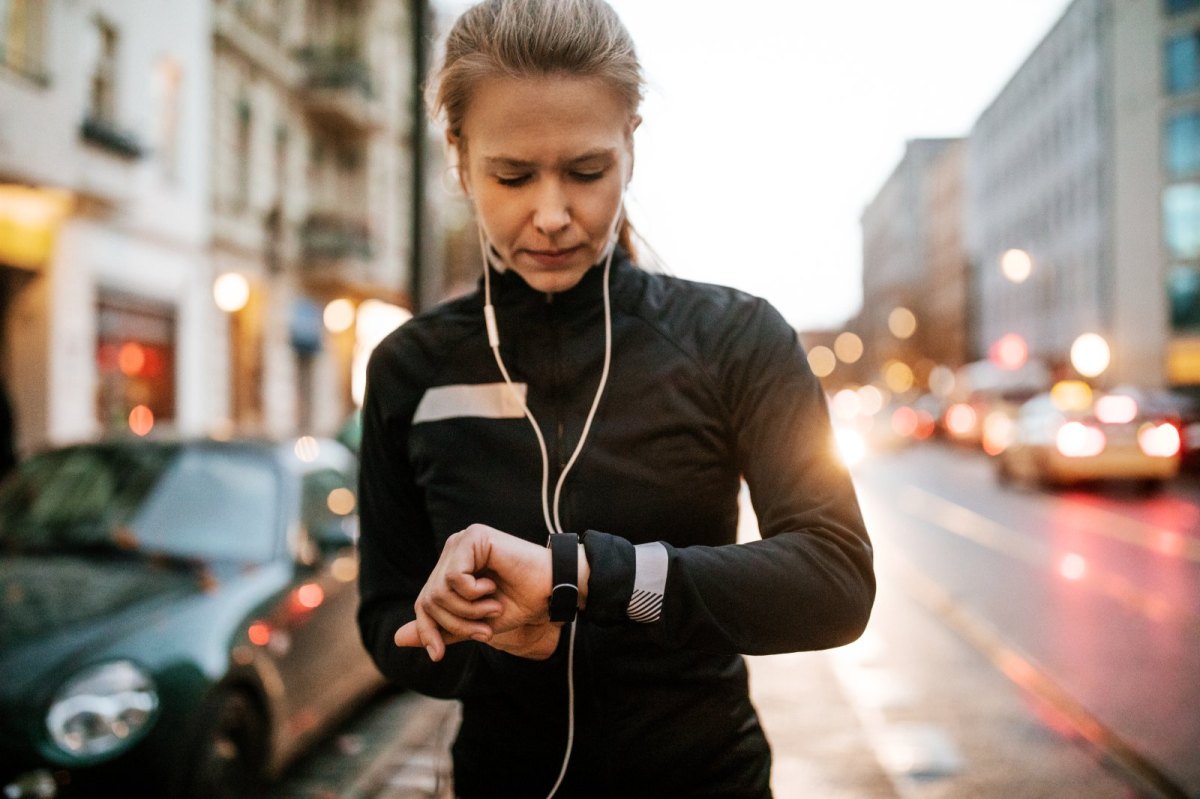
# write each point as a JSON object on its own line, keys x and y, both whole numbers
{"x": 552, "y": 212}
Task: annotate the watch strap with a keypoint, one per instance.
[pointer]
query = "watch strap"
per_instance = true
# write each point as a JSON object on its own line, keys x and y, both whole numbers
{"x": 564, "y": 576}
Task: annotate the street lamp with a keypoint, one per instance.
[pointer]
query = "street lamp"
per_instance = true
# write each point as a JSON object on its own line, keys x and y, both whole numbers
{"x": 1090, "y": 355}
{"x": 231, "y": 292}
{"x": 1016, "y": 265}
{"x": 339, "y": 315}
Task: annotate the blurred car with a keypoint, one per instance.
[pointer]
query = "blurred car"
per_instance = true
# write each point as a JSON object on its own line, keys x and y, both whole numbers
{"x": 1110, "y": 438}
{"x": 1182, "y": 407}
{"x": 176, "y": 618}
{"x": 987, "y": 395}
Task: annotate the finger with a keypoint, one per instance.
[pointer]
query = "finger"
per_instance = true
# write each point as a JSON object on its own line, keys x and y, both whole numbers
{"x": 430, "y": 635}
{"x": 455, "y": 625}
{"x": 470, "y": 586}
{"x": 453, "y": 603}
{"x": 407, "y": 635}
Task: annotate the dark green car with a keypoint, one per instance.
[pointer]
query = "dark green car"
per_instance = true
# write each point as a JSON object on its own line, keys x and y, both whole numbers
{"x": 176, "y": 619}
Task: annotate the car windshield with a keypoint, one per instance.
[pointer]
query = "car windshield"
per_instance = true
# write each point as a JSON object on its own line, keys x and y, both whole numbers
{"x": 153, "y": 499}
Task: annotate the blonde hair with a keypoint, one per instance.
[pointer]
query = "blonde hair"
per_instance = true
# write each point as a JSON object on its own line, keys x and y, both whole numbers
{"x": 535, "y": 38}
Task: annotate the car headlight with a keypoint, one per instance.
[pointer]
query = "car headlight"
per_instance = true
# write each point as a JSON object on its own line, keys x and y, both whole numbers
{"x": 102, "y": 710}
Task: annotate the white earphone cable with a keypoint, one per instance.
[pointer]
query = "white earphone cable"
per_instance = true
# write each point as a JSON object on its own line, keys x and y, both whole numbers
{"x": 553, "y": 521}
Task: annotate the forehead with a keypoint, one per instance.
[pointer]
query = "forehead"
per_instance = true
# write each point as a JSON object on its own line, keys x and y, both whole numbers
{"x": 544, "y": 118}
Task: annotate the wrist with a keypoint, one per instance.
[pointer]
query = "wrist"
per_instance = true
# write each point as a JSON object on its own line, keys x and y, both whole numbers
{"x": 585, "y": 573}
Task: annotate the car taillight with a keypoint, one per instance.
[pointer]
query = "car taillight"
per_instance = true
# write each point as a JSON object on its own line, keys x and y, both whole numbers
{"x": 998, "y": 432}
{"x": 1159, "y": 440}
{"x": 960, "y": 418}
{"x": 1078, "y": 440}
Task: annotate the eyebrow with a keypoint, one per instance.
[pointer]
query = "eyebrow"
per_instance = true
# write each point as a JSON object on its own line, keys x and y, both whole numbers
{"x": 501, "y": 162}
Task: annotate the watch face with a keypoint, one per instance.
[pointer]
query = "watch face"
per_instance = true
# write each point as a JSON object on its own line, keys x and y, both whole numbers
{"x": 564, "y": 600}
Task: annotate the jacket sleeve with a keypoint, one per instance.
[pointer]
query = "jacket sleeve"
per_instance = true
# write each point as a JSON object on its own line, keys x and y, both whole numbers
{"x": 809, "y": 584}
{"x": 397, "y": 547}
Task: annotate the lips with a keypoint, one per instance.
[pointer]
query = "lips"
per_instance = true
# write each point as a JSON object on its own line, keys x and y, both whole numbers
{"x": 553, "y": 258}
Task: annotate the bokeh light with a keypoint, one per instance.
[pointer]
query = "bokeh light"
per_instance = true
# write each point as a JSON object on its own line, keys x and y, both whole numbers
{"x": 141, "y": 420}
{"x": 898, "y": 376}
{"x": 1071, "y": 395}
{"x": 848, "y": 347}
{"x": 1009, "y": 351}
{"x": 231, "y": 291}
{"x": 902, "y": 322}
{"x": 822, "y": 361}
{"x": 1090, "y": 355}
{"x": 307, "y": 449}
{"x": 341, "y": 501}
{"x": 339, "y": 315}
{"x": 1016, "y": 265}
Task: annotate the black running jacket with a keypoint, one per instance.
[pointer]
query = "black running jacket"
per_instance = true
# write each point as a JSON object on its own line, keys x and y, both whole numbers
{"x": 708, "y": 386}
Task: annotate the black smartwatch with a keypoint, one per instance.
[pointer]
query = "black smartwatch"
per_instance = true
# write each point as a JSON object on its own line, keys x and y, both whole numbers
{"x": 564, "y": 576}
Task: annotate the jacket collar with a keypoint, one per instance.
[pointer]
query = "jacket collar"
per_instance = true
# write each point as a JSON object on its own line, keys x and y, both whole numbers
{"x": 509, "y": 289}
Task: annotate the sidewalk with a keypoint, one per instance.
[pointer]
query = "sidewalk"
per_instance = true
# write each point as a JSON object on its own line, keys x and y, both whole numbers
{"x": 820, "y": 748}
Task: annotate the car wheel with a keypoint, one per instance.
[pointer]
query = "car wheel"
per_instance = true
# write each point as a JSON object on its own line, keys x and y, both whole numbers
{"x": 231, "y": 750}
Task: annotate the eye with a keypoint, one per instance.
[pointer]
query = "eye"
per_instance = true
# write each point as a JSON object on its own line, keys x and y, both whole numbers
{"x": 512, "y": 180}
{"x": 587, "y": 177}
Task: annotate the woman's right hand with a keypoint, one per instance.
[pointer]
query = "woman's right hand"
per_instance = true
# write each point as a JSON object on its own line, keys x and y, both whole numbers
{"x": 486, "y": 585}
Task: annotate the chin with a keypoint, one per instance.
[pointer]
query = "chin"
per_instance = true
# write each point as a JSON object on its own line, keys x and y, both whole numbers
{"x": 553, "y": 282}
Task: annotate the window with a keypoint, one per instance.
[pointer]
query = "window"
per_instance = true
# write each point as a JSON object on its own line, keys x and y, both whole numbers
{"x": 242, "y": 155}
{"x": 168, "y": 78}
{"x": 1182, "y": 149}
{"x": 329, "y": 508}
{"x": 1182, "y": 67}
{"x": 23, "y": 36}
{"x": 1180, "y": 6}
{"x": 103, "y": 97}
{"x": 135, "y": 360}
{"x": 1183, "y": 293}
{"x": 1181, "y": 220}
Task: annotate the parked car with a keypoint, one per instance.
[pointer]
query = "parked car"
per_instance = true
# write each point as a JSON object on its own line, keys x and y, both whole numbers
{"x": 176, "y": 618}
{"x": 1111, "y": 438}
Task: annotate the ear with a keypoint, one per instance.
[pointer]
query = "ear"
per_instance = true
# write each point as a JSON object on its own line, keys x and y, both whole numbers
{"x": 634, "y": 122}
{"x": 454, "y": 155}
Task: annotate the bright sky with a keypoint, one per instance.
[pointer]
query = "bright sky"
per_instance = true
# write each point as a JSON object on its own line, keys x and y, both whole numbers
{"x": 770, "y": 124}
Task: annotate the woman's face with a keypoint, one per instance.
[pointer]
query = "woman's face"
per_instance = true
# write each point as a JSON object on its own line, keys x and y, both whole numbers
{"x": 545, "y": 161}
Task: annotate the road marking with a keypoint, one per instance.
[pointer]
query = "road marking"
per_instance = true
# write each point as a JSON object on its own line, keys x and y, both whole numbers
{"x": 1023, "y": 671}
{"x": 968, "y": 524}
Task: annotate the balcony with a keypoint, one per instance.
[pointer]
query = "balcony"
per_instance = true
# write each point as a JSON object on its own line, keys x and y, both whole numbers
{"x": 105, "y": 135}
{"x": 329, "y": 237}
{"x": 338, "y": 92}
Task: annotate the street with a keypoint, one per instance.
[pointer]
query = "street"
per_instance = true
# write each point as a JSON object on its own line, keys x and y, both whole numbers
{"x": 1024, "y": 643}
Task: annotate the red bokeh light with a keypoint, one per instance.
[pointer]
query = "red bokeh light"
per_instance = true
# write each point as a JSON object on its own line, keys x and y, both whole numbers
{"x": 141, "y": 420}
{"x": 131, "y": 359}
{"x": 310, "y": 595}
{"x": 1009, "y": 352}
{"x": 259, "y": 633}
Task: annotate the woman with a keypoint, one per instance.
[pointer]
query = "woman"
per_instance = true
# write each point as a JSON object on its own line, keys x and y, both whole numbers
{"x": 579, "y": 399}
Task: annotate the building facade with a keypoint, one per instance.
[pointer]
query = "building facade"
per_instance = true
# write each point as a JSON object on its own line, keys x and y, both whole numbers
{"x": 914, "y": 270}
{"x": 151, "y": 152}
{"x": 104, "y": 223}
{"x": 1180, "y": 192}
{"x": 1086, "y": 162}
{"x": 312, "y": 124}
